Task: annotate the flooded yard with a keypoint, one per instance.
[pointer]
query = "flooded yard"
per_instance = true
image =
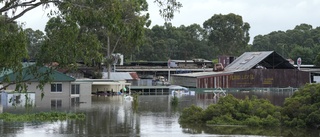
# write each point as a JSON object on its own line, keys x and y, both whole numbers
{"x": 114, "y": 116}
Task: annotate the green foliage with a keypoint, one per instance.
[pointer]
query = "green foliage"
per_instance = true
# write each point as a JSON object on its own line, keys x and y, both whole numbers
{"x": 13, "y": 51}
{"x": 225, "y": 119}
{"x": 302, "y": 109}
{"x": 77, "y": 32}
{"x": 167, "y": 41}
{"x": 168, "y": 7}
{"x": 194, "y": 41}
{"x": 302, "y": 41}
{"x": 302, "y": 52}
{"x": 114, "y": 24}
{"x": 174, "y": 101}
{"x": 96, "y": 75}
{"x": 193, "y": 114}
{"x": 12, "y": 45}
{"x": 34, "y": 41}
{"x": 68, "y": 50}
{"x": 43, "y": 116}
{"x": 232, "y": 111}
{"x": 253, "y": 121}
{"x": 135, "y": 102}
{"x": 228, "y": 33}
{"x": 214, "y": 61}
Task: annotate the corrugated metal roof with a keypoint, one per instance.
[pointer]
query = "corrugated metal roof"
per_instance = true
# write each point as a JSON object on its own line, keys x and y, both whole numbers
{"x": 204, "y": 74}
{"x": 27, "y": 76}
{"x": 24, "y": 65}
{"x": 94, "y": 80}
{"x": 117, "y": 75}
{"x": 261, "y": 60}
{"x": 248, "y": 60}
{"x": 105, "y": 83}
{"x": 149, "y": 87}
{"x": 190, "y": 61}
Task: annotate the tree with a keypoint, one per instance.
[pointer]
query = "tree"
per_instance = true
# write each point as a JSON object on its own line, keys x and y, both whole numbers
{"x": 34, "y": 41}
{"x": 228, "y": 33}
{"x": 304, "y": 53}
{"x": 13, "y": 41}
{"x": 12, "y": 46}
{"x": 302, "y": 109}
{"x": 65, "y": 45}
{"x": 14, "y": 6}
{"x": 114, "y": 22}
{"x": 167, "y": 7}
{"x": 195, "y": 40}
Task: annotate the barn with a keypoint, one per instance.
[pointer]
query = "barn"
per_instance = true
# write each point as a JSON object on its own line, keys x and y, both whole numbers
{"x": 250, "y": 70}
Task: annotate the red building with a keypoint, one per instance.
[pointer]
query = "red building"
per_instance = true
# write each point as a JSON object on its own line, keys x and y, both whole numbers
{"x": 251, "y": 69}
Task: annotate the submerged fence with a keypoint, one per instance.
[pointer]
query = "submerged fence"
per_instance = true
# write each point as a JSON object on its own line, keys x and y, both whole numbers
{"x": 288, "y": 89}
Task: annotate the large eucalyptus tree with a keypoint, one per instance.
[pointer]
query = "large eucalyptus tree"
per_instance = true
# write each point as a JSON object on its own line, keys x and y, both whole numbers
{"x": 228, "y": 33}
{"x": 93, "y": 23}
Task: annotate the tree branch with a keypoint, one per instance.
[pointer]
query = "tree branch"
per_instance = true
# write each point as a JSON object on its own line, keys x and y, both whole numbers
{"x": 26, "y": 80}
{"x": 30, "y": 4}
{"x": 116, "y": 44}
{"x": 7, "y": 5}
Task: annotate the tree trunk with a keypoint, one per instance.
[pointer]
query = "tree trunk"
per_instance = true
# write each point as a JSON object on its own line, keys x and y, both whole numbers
{"x": 109, "y": 57}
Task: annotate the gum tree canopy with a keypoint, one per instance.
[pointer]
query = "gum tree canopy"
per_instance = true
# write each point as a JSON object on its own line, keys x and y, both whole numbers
{"x": 228, "y": 33}
{"x": 86, "y": 23}
{"x": 19, "y": 7}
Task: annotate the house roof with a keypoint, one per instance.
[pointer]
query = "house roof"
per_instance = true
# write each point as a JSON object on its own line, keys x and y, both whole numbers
{"x": 134, "y": 75}
{"x": 28, "y": 76}
{"x": 247, "y": 61}
{"x": 265, "y": 59}
{"x": 9, "y": 71}
{"x": 204, "y": 74}
{"x": 191, "y": 61}
{"x": 117, "y": 75}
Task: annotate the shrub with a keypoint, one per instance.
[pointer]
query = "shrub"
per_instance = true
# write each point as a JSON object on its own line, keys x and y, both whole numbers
{"x": 192, "y": 114}
{"x": 253, "y": 121}
{"x": 302, "y": 109}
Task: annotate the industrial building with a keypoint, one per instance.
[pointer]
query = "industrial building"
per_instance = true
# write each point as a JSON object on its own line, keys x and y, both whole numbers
{"x": 251, "y": 69}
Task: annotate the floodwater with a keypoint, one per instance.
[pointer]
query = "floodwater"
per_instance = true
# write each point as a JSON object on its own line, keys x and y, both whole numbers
{"x": 152, "y": 116}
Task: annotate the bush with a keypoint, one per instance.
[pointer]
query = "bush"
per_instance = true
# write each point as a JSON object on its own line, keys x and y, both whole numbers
{"x": 270, "y": 121}
{"x": 232, "y": 111}
{"x": 224, "y": 120}
{"x": 192, "y": 114}
{"x": 302, "y": 109}
{"x": 253, "y": 121}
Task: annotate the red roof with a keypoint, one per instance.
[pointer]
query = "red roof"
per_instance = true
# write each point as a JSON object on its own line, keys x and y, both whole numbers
{"x": 134, "y": 75}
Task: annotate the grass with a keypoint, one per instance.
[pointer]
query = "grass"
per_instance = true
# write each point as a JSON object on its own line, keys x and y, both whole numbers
{"x": 42, "y": 116}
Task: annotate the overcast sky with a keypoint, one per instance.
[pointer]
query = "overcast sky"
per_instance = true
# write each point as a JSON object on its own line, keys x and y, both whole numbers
{"x": 264, "y": 16}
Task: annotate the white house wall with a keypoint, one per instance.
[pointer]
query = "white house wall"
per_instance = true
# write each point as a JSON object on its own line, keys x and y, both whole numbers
{"x": 46, "y": 102}
{"x": 96, "y": 88}
{"x": 85, "y": 88}
{"x": 32, "y": 87}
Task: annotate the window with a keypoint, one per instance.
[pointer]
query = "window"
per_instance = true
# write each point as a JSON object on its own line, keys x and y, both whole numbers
{"x": 75, "y": 89}
{"x": 56, "y": 103}
{"x": 56, "y": 87}
{"x": 75, "y": 101}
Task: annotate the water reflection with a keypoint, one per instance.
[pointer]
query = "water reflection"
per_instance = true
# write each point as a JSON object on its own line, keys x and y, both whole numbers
{"x": 114, "y": 116}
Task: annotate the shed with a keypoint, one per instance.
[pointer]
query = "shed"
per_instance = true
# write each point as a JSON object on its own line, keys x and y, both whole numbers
{"x": 250, "y": 70}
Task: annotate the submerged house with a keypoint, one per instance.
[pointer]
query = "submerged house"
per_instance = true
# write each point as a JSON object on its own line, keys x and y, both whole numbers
{"x": 251, "y": 69}
{"x": 54, "y": 94}
{"x": 60, "y": 83}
